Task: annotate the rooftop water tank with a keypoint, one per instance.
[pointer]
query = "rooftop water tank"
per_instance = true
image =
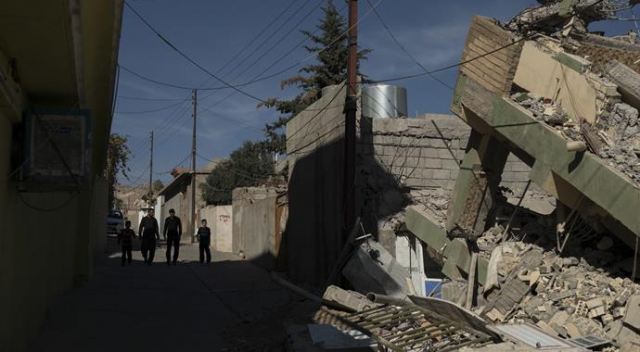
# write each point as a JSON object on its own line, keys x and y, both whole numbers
{"x": 384, "y": 101}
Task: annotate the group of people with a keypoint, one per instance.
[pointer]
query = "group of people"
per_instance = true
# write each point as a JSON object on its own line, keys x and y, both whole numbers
{"x": 149, "y": 233}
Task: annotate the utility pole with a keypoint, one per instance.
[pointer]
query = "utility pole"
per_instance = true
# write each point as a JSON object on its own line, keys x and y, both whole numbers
{"x": 351, "y": 107}
{"x": 193, "y": 169}
{"x": 151, "y": 167}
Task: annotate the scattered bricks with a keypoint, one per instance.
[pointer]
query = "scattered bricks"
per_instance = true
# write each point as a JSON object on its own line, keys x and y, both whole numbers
{"x": 546, "y": 328}
{"x": 568, "y": 262}
{"x": 618, "y": 312}
{"x": 581, "y": 309}
{"x": 594, "y": 303}
{"x": 572, "y": 330}
{"x": 441, "y": 174}
{"x": 622, "y": 298}
{"x": 559, "y": 318}
{"x": 559, "y": 296}
{"x": 597, "y": 312}
{"x": 607, "y": 319}
{"x": 560, "y": 330}
{"x": 588, "y": 326}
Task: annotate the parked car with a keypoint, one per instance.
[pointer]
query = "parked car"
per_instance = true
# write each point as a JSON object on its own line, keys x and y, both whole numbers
{"x": 115, "y": 222}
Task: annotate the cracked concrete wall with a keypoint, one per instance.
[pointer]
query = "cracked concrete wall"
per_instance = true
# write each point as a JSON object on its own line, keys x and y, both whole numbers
{"x": 423, "y": 155}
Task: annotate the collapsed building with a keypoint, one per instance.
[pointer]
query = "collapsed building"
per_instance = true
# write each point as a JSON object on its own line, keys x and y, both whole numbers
{"x": 531, "y": 214}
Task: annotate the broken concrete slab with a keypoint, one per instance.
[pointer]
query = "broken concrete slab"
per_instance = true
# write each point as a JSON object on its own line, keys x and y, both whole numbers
{"x": 352, "y": 300}
{"x": 423, "y": 226}
{"x": 373, "y": 269}
{"x": 632, "y": 316}
{"x": 628, "y": 82}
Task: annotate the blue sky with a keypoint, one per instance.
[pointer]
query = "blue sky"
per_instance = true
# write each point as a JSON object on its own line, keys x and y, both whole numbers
{"x": 212, "y": 32}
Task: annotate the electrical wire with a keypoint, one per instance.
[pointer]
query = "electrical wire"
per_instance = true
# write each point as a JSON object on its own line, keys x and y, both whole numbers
{"x": 186, "y": 57}
{"x": 403, "y": 48}
{"x": 230, "y": 120}
{"x": 149, "y": 111}
{"x": 148, "y": 99}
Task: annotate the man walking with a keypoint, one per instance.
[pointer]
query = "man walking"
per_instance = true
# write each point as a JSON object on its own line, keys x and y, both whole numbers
{"x": 149, "y": 233}
{"x": 172, "y": 233}
{"x": 204, "y": 237}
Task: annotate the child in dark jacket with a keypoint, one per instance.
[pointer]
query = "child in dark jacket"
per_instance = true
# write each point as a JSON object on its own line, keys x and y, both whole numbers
{"x": 204, "y": 237}
{"x": 126, "y": 237}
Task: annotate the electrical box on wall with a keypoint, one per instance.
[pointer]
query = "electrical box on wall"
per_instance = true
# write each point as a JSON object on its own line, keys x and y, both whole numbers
{"x": 57, "y": 149}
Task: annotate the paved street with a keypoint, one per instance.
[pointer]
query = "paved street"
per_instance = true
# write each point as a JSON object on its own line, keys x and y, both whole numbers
{"x": 188, "y": 307}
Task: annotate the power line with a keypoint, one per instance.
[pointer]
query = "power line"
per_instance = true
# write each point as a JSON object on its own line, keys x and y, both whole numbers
{"x": 148, "y": 99}
{"x": 148, "y": 111}
{"x": 461, "y": 63}
{"x": 186, "y": 57}
{"x": 291, "y": 17}
{"x": 255, "y": 38}
{"x": 230, "y": 120}
{"x": 402, "y": 47}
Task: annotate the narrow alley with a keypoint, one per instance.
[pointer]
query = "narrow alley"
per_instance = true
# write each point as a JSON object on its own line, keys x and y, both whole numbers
{"x": 189, "y": 307}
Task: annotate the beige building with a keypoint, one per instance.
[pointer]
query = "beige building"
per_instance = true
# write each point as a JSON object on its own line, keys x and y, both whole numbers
{"x": 57, "y": 76}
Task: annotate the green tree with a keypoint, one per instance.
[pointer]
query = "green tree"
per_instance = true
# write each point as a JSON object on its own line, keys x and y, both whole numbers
{"x": 330, "y": 47}
{"x": 249, "y": 165}
{"x": 118, "y": 154}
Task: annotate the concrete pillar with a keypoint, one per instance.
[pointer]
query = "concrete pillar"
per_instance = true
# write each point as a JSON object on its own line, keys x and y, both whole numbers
{"x": 477, "y": 184}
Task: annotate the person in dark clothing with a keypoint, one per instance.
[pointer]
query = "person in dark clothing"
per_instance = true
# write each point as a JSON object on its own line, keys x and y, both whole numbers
{"x": 149, "y": 232}
{"x": 125, "y": 237}
{"x": 172, "y": 233}
{"x": 204, "y": 237}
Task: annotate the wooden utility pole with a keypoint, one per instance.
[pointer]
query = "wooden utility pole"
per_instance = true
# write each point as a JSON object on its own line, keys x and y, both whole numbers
{"x": 151, "y": 167}
{"x": 192, "y": 228}
{"x": 351, "y": 108}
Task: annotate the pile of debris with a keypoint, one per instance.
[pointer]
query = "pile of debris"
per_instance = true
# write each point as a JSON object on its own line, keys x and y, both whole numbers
{"x": 615, "y": 137}
{"x": 620, "y": 134}
{"x": 543, "y": 109}
{"x": 573, "y": 296}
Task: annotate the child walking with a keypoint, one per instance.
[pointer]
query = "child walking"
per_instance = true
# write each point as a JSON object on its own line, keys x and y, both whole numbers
{"x": 125, "y": 237}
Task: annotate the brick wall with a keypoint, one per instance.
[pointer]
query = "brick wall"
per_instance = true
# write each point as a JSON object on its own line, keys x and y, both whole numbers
{"x": 423, "y": 153}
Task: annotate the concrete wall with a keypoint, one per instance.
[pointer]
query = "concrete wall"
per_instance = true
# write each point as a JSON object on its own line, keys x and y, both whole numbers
{"x": 43, "y": 252}
{"x": 313, "y": 236}
{"x": 220, "y": 220}
{"x": 399, "y": 161}
{"x": 420, "y": 157}
{"x": 254, "y": 225}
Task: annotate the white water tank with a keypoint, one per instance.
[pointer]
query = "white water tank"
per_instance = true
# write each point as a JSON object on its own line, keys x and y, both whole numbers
{"x": 384, "y": 101}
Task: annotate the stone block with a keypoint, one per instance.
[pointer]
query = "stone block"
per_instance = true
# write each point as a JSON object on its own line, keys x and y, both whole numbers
{"x": 520, "y": 166}
{"x": 454, "y": 174}
{"x": 378, "y": 149}
{"x": 430, "y": 153}
{"x": 426, "y": 174}
{"x": 632, "y": 317}
{"x": 445, "y": 154}
{"x": 450, "y": 164}
{"x": 438, "y": 143}
{"x": 594, "y": 303}
{"x": 441, "y": 174}
{"x": 434, "y": 164}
